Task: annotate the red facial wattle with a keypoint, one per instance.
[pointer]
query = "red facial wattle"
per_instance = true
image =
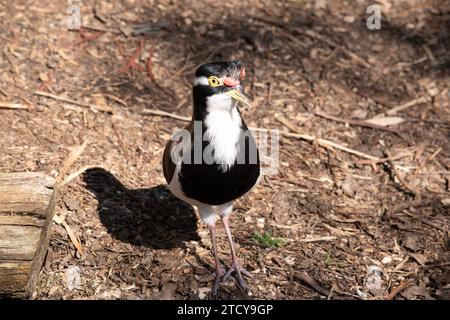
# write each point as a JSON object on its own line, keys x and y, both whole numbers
{"x": 230, "y": 82}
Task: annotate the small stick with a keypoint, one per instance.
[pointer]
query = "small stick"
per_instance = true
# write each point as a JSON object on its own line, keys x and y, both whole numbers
{"x": 424, "y": 221}
{"x": 81, "y": 104}
{"x": 150, "y": 73}
{"x": 318, "y": 239}
{"x": 132, "y": 60}
{"x": 331, "y": 291}
{"x": 382, "y": 160}
{"x": 70, "y": 233}
{"x": 360, "y": 123}
{"x": 67, "y": 163}
{"x": 165, "y": 114}
{"x": 322, "y": 142}
{"x": 7, "y": 105}
{"x": 396, "y": 291}
{"x": 303, "y": 276}
{"x": 406, "y": 105}
{"x": 76, "y": 174}
{"x": 400, "y": 179}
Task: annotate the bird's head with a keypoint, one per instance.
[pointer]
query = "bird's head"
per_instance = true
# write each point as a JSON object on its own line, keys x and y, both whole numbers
{"x": 216, "y": 83}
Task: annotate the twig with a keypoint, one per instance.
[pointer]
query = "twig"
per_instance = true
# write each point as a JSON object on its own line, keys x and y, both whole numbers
{"x": 303, "y": 276}
{"x": 76, "y": 174}
{"x": 67, "y": 163}
{"x": 70, "y": 233}
{"x": 382, "y": 160}
{"x": 360, "y": 123}
{"x": 333, "y": 287}
{"x": 165, "y": 114}
{"x": 131, "y": 64}
{"x": 406, "y": 105}
{"x": 86, "y": 38}
{"x": 424, "y": 221}
{"x": 150, "y": 73}
{"x": 396, "y": 291}
{"x": 81, "y": 104}
{"x": 322, "y": 142}
{"x": 7, "y": 105}
{"x": 121, "y": 144}
{"x": 317, "y": 239}
{"x": 394, "y": 170}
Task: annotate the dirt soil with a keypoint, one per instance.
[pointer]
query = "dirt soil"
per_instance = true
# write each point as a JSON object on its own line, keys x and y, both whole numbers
{"x": 341, "y": 226}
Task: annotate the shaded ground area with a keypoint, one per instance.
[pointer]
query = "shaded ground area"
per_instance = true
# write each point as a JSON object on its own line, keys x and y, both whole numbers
{"x": 340, "y": 218}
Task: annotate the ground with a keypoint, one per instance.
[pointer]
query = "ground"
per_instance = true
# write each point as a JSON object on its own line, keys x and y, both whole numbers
{"x": 325, "y": 226}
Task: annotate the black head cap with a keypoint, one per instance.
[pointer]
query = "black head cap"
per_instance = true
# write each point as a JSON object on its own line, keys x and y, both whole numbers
{"x": 220, "y": 69}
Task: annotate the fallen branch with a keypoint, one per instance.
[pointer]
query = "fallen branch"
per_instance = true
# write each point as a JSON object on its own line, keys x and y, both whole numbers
{"x": 360, "y": 123}
{"x": 77, "y": 103}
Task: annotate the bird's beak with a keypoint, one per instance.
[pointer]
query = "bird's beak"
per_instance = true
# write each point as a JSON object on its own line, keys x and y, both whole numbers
{"x": 238, "y": 96}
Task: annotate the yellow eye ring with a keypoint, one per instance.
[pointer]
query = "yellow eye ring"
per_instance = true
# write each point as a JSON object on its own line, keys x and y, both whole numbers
{"x": 214, "y": 81}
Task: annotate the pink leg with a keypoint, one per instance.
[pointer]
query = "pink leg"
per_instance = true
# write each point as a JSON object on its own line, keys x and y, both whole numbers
{"x": 235, "y": 263}
{"x": 220, "y": 271}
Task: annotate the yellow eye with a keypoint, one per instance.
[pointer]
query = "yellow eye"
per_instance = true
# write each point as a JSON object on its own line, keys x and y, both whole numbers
{"x": 214, "y": 81}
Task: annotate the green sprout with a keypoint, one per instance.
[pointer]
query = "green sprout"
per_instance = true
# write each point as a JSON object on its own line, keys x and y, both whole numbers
{"x": 267, "y": 239}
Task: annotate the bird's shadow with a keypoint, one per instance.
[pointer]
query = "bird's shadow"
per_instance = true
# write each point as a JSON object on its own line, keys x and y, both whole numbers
{"x": 144, "y": 217}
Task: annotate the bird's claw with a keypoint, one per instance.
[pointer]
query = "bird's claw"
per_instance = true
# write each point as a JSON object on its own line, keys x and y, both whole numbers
{"x": 239, "y": 272}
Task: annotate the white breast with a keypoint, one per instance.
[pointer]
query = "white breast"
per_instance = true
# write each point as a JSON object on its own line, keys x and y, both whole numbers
{"x": 223, "y": 124}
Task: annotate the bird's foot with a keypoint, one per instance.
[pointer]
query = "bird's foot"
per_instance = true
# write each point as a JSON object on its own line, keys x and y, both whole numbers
{"x": 236, "y": 267}
{"x": 220, "y": 272}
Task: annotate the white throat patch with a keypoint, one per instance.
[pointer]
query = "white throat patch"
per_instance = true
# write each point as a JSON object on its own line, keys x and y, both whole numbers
{"x": 223, "y": 124}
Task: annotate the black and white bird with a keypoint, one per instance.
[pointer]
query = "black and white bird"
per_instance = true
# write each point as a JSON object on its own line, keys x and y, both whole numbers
{"x": 214, "y": 160}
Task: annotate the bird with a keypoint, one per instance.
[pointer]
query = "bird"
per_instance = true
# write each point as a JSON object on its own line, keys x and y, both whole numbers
{"x": 215, "y": 159}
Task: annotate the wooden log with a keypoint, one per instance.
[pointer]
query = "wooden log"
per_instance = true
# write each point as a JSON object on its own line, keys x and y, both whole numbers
{"x": 27, "y": 201}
